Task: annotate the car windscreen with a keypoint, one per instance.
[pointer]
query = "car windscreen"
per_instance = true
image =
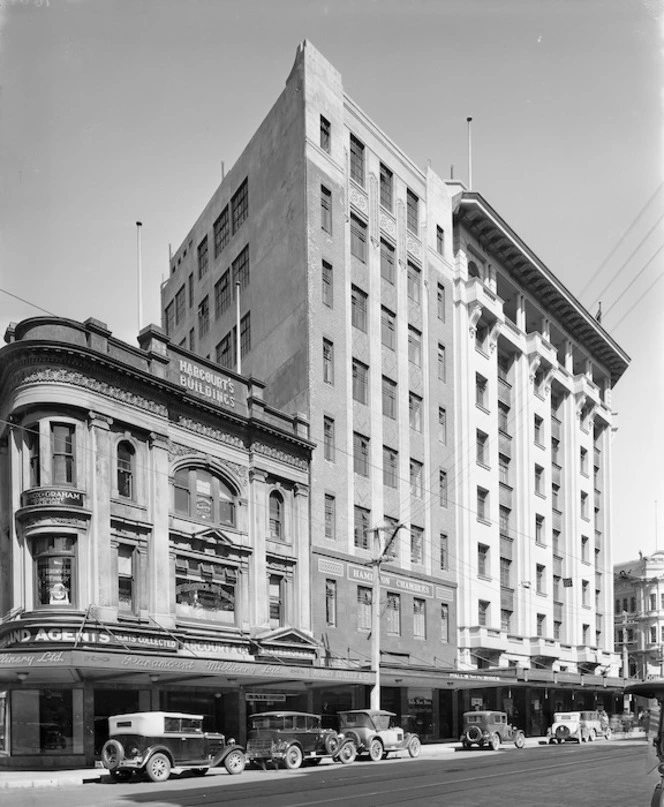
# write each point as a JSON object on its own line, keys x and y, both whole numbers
{"x": 267, "y": 722}
{"x": 470, "y": 719}
{"x": 350, "y": 721}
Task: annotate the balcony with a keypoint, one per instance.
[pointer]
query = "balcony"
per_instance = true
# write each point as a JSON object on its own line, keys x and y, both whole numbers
{"x": 505, "y": 495}
{"x": 504, "y": 392}
{"x": 507, "y": 598}
{"x": 556, "y": 474}
{"x": 479, "y": 294}
{"x": 556, "y": 428}
{"x": 584, "y": 386}
{"x": 480, "y": 637}
{"x": 537, "y": 344}
{"x": 546, "y": 648}
{"x": 504, "y": 444}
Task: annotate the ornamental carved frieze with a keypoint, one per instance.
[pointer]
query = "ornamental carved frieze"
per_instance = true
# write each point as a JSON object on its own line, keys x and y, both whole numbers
{"x": 414, "y": 247}
{"x": 45, "y": 520}
{"x": 63, "y": 375}
{"x": 176, "y": 450}
{"x": 281, "y": 456}
{"x": 358, "y": 200}
{"x": 388, "y": 225}
{"x": 211, "y": 432}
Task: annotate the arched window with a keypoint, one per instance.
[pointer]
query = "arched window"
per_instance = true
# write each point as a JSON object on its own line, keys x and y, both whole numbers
{"x": 276, "y": 516}
{"x": 126, "y": 470}
{"x": 200, "y": 494}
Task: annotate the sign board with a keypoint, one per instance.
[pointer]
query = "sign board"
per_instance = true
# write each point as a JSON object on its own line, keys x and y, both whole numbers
{"x": 43, "y": 497}
{"x": 203, "y": 382}
{"x": 265, "y": 697}
{"x": 364, "y": 574}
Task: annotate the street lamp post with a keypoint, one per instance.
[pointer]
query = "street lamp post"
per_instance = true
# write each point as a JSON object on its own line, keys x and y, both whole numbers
{"x": 381, "y": 555}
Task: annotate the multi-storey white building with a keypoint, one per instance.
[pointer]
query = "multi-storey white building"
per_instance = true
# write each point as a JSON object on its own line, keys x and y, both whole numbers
{"x": 453, "y": 386}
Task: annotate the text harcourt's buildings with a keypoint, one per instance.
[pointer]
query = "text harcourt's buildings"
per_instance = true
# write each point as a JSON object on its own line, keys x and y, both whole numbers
{"x": 453, "y": 386}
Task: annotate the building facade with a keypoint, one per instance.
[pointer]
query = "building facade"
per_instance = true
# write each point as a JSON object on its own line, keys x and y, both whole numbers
{"x": 639, "y": 616}
{"x": 455, "y": 390}
{"x": 154, "y": 542}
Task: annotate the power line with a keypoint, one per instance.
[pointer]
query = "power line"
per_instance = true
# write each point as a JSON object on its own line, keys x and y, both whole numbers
{"x": 629, "y": 310}
{"x": 27, "y": 302}
{"x": 634, "y": 279}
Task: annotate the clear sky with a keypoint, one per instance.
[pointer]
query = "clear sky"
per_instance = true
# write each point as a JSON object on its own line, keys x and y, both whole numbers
{"x": 118, "y": 110}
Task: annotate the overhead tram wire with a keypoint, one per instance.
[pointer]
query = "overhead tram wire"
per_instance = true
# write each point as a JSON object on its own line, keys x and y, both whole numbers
{"x": 621, "y": 239}
{"x": 28, "y": 302}
{"x": 634, "y": 279}
{"x": 629, "y": 310}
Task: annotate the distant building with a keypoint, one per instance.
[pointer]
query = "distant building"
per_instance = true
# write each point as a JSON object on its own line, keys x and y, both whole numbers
{"x": 639, "y": 615}
{"x": 453, "y": 385}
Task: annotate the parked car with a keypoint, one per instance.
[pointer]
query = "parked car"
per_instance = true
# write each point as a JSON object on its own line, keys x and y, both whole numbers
{"x": 291, "y": 738}
{"x": 374, "y": 732}
{"x": 595, "y": 725}
{"x": 158, "y": 742}
{"x": 568, "y": 726}
{"x": 489, "y": 729}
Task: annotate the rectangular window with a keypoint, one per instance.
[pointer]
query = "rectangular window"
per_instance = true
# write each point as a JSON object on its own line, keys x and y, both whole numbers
{"x": 541, "y": 625}
{"x": 506, "y": 573}
{"x": 584, "y": 461}
{"x": 444, "y": 557}
{"x": 419, "y": 618}
{"x": 364, "y": 608}
{"x": 358, "y": 238}
{"x": 585, "y": 593}
{"x": 442, "y": 362}
{"x": 326, "y": 209}
{"x": 506, "y": 620}
{"x": 387, "y": 261}
{"x": 180, "y": 304}
{"x": 245, "y": 334}
{"x": 276, "y": 599}
{"x": 414, "y": 283}
{"x": 328, "y": 438}
{"x": 393, "y": 614}
{"x": 203, "y": 258}
{"x": 389, "y": 398}
{"x": 503, "y": 416}
{"x": 331, "y": 603}
{"x": 221, "y": 232}
{"x": 224, "y": 351}
{"x": 325, "y": 134}
{"x": 328, "y": 285}
{"x": 240, "y": 269}
{"x": 169, "y": 318}
{"x": 483, "y": 560}
{"x": 482, "y": 504}
{"x": 203, "y": 316}
{"x": 386, "y": 187}
{"x": 480, "y": 391}
{"x": 360, "y": 454}
{"x": 360, "y": 382}
{"x": 63, "y": 454}
{"x": 190, "y": 285}
{"x": 540, "y": 579}
{"x": 416, "y": 545}
{"x": 504, "y": 515}
{"x": 442, "y": 481}
{"x": 442, "y": 425}
{"x": 192, "y": 340}
{"x": 585, "y": 548}
{"x": 539, "y": 531}
{"x": 240, "y": 206}
{"x": 555, "y": 497}
{"x": 416, "y": 479}
{"x": 440, "y": 240}
{"x": 361, "y": 531}
{"x": 440, "y": 303}
{"x": 390, "y": 467}
{"x": 222, "y": 294}
{"x": 359, "y": 302}
{"x": 55, "y": 559}
{"x": 330, "y": 517}
{"x": 414, "y": 346}
{"x": 328, "y": 362}
{"x": 539, "y": 430}
{"x": 483, "y": 612}
{"x": 481, "y": 441}
{"x": 126, "y": 593}
{"x": 412, "y": 211}
{"x": 415, "y": 412}
{"x": 444, "y": 623}
{"x": 388, "y": 329}
{"x": 539, "y": 480}
{"x": 504, "y": 469}
{"x": 356, "y": 160}
{"x": 584, "y": 505}
{"x": 32, "y": 443}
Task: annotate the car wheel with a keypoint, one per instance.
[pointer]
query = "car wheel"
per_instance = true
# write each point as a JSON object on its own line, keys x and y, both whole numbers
{"x": 120, "y": 776}
{"x": 592, "y": 736}
{"x": 414, "y": 746}
{"x": 235, "y": 762}
{"x": 199, "y": 771}
{"x": 608, "y": 734}
{"x": 375, "y": 750}
{"x": 332, "y": 743}
{"x": 562, "y": 733}
{"x": 520, "y": 739}
{"x": 112, "y": 754}
{"x": 347, "y": 754}
{"x": 293, "y": 758}
{"x": 474, "y": 734}
{"x": 158, "y": 768}
{"x": 495, "y": 741}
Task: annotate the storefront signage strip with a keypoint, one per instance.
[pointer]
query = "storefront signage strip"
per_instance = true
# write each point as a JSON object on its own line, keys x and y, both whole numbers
{"x": 50, "y": 496}
{"x": 274, "y": 697}
{"x": 364, "y": 574}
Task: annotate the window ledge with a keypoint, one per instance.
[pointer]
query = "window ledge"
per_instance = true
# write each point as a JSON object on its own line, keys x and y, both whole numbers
{"x": 484, "y": 577}
{"x": 484, "y": 465}
{"x": 482, "y": 408}
{"x": 484, "y": 521}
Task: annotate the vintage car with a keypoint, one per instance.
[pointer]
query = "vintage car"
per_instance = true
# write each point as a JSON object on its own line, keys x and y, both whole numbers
{"x": 159, "y": 742}
{"x": 489, "y": 729}
{"x": 595, "y": 725}
{"x": 568, "y": 726}
{"x": 374, "y": 732}
{"x": 289, "y": 739}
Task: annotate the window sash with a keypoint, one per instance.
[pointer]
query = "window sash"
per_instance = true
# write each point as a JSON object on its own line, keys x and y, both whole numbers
{"x": 387, "y": 262}
{"x": 358, "y": 239}
{"x": 386, "y": 187}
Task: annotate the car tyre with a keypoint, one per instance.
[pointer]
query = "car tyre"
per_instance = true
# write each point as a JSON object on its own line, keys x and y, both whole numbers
{"x": 112, "y": 754}
{"x": 158, "y": 768}
{"x": 347, "y": 754}
{"x": 235, "y": 762}
{"x": 414, "y": 747}
{"x": 592, "y": 736}
{"x": 608, "y": 734}
{"x": 293, "y": 758}
{"x": 332, "y": 743}
{"x": 375, "y": 750}
{"x": 495, "y": 741}
{"x": 520, "y": 739}
{"x": 474, "y": 734}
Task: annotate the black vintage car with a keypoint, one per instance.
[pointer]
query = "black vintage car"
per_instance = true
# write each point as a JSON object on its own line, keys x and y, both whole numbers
{"x": 157, "y": 742}
{"x": 488, "y": 730}
{"x": 291, "y": 738}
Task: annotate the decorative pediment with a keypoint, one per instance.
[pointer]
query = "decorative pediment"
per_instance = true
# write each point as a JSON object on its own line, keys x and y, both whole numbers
{"x": 214, "y": 536}
{"x": 286, "y": 637}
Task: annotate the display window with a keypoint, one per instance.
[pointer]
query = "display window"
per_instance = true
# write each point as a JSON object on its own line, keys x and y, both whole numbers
{"x": 205, "y": 590}
{"x": 55, "y": 570}
{"x": 47, "y": 721}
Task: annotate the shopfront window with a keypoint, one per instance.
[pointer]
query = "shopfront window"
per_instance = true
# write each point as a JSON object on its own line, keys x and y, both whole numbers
{"x": 55, "y": 565}
{"x": 47, "y": 721}
{"x": 199, "y": 494}
{"x": 62, "y": 446}
{"x": 205, "y": 590}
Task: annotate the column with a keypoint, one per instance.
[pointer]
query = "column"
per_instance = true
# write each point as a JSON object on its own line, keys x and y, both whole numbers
{"x": 302, "y": 592}
{"x": 95, "y": 556}
{"x": 161, "y": 577}
{"x": 259, "y": 612}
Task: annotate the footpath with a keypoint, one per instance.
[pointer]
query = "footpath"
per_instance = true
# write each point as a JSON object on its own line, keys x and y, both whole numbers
{"x": 68, "y": 778}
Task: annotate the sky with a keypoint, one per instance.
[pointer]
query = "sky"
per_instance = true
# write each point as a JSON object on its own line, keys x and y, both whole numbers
{"x": 113, "y": 111}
